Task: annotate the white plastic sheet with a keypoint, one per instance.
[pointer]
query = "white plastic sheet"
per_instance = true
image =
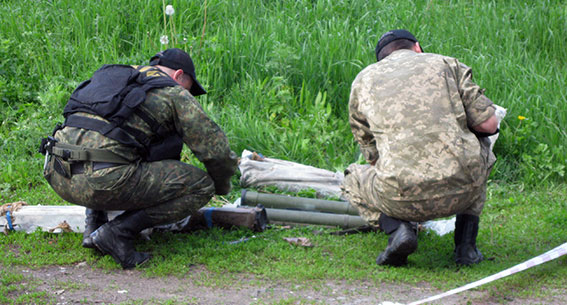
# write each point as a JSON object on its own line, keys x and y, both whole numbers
{"x": 48, "y": 218}
{"x": 289, "y": 176}
{"x": 500, "y": 114}
{"x": 30, "y": 218}
{"x": 441, "y": 227}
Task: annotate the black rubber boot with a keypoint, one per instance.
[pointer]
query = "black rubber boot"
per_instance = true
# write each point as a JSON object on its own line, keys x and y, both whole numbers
{"x": 466, "y": 230}
{"x": 117, "y": 238}
{"x": 402, "y": 241}
{"x": 93, "y": 220}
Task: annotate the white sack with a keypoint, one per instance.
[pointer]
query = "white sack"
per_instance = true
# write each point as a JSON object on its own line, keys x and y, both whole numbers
{"x": 289, "y": 176}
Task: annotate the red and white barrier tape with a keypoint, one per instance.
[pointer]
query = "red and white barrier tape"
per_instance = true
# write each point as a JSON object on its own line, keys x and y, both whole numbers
{"x": 547, "y": 256}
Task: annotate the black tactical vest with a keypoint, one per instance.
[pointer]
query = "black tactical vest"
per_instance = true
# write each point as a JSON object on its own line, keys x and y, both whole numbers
{"x": 114, "y": 92}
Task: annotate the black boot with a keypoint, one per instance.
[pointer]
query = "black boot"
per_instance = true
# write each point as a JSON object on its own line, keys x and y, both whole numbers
{"x": 117, "y": 238}
{"x": 93, "y": 220}
{"x": 402, "y": 241}
{"x": 466, "y": 230}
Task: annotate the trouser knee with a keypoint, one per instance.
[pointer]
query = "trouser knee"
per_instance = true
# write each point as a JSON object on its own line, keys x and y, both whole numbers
{"x": 187, "y": 204}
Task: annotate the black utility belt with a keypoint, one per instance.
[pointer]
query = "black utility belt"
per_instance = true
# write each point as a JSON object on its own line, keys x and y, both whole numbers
{"x": 75, "y": 153}
{"x": 79, "y": 168}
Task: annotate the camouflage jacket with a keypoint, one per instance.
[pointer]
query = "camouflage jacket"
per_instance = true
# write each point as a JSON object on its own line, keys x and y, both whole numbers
{"x": 176, "y": 109}
{"x": 411, "y": 113}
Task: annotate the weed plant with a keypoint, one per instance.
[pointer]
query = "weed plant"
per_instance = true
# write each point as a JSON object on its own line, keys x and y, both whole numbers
{"x": 278, "y": 77}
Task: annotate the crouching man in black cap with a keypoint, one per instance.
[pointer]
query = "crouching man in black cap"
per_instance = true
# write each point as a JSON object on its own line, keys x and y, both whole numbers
{"x": 120, "y": 146}
{"x": 422, "y": 125}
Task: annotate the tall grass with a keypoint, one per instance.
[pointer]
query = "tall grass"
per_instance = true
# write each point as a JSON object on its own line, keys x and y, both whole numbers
{"x": 279, "y": 72}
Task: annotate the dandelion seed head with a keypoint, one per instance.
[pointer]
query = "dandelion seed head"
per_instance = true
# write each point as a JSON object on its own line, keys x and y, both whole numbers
{"x": 169, "y": 10}
{"x": 164, "y": 39}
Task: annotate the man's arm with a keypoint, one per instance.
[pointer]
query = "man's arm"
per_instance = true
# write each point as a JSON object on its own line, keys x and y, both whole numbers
{"x": 478, "y": 108}
{"x": 206, "y": 140}
{"x": 361, "y": 129}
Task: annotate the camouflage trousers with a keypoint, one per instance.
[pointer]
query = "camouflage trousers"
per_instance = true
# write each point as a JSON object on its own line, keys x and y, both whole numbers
{"x": 166, "y": 190}
{"x": 370, "y": 203}
{"x": 362, "y": 194}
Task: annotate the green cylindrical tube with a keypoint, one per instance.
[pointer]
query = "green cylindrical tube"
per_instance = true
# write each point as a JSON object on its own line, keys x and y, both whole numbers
{"x": 288, "y": 202}
{"x": 315, "y": 218}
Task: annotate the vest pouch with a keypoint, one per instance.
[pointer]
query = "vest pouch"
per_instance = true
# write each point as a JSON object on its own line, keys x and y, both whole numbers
{"x": 62, "y": 167}
{"x": 167, "y": 149}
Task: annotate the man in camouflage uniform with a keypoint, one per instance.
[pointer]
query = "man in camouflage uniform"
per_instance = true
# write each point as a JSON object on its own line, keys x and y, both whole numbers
{"x": 152, "y": 191}
{"x": 422, "y": 124}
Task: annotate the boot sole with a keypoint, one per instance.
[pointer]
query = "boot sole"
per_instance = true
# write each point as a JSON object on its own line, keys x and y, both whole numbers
{"x": 467, "y": 260}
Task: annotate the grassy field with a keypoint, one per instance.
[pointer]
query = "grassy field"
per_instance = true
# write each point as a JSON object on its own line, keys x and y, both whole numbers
{"x": 278, "y": 75}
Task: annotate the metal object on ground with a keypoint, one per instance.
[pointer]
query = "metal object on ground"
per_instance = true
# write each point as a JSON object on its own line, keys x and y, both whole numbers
{"x": 315, "y": 218}
{"x": 250, "y": 198}
{"x": 252, "y": 218}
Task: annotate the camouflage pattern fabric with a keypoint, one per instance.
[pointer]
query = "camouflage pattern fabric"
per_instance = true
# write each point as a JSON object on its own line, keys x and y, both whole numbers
{"x": 411, "y": 114}
{"x": 362, "y": 195}
{"x": 167, "y": 190}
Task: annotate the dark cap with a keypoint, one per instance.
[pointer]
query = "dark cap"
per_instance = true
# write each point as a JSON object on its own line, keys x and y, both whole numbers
{"x": 178, "y": 59}
{"x": 391, "y": 36}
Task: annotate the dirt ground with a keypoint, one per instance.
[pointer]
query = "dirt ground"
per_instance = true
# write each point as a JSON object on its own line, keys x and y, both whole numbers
{"x": 80, "y": 284}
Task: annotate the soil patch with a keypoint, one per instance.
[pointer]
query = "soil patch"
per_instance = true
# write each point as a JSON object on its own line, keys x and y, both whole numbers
{"x": 81, "y": 284}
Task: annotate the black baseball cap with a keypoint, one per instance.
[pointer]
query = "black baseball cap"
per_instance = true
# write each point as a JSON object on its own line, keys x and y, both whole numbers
{"x": 394, "y": 35}
{"x": 178, "y": 59}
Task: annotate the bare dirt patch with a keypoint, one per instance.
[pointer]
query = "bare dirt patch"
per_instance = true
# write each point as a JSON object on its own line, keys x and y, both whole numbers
{"x": 81, "y": 284}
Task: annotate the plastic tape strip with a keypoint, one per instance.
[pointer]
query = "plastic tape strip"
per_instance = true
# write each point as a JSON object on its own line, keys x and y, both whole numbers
{"x": 547, "y": 256}
{"x": 209, "y": 217}
{"x": 9, "y": 219}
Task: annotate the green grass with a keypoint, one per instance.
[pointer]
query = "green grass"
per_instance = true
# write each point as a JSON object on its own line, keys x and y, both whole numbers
{"x": 279, "y": 72}
{"x": 18, "y": 289}
{"x": 278, "y": 75}
{"x": 516, "y": 226}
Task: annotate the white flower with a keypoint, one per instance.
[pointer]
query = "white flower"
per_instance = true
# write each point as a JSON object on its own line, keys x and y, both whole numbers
{"x": 163, "y": 39}
{"x": 169, "y": 10}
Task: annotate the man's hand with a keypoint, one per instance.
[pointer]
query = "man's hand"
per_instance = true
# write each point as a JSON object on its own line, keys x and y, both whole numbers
{"x": 223, "y": 187}
{"x": 488, "y": 127}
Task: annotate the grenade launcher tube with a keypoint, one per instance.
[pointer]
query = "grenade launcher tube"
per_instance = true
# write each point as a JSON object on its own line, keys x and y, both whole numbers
{"x": 250, "y": 198}
{"x": 315, "y": 218}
